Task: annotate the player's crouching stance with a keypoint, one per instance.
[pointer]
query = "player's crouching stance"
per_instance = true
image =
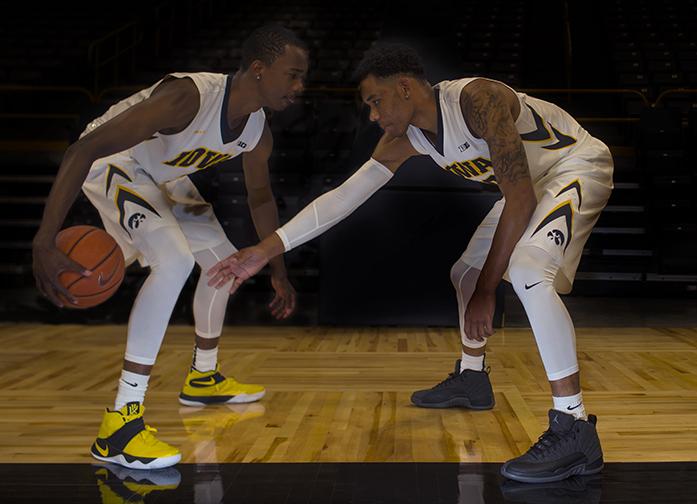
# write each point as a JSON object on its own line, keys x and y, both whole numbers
{"x": 132, "y": 163}
{"x": 555, "y": 179}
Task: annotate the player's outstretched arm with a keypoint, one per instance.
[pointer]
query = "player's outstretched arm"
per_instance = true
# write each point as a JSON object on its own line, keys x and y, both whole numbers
{"x": 490, "y": 110}
{"x": 173, "y": 105}
{"x": 317, "y": 217}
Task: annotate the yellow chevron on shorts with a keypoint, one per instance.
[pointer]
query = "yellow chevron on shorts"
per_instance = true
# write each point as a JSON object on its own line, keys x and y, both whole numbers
{"x": 563, "y": 209}
{"x": 575, "y": 185}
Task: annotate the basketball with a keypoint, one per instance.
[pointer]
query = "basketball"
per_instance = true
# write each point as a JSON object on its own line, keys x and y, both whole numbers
{"x": 98, "y": 252}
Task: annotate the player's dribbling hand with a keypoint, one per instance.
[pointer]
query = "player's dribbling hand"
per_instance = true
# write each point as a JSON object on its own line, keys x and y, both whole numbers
{"x": 479, "y": 316}
{"x": 47, "y": 264}
{"x": 238, "y": 267}
{"x": 283, "y": 303}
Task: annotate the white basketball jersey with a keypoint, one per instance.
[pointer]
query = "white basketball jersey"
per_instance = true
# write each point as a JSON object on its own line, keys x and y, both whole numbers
{"x": 205, "y": 142}
{"x": 549, "y": 135}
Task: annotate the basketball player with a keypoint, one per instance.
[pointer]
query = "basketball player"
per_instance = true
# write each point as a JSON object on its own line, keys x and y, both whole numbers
{"x": 132, "y": 164}
{"x": 555, "y": 179}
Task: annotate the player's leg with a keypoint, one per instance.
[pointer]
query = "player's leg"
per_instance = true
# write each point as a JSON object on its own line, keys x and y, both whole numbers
{"x": 532, "y": 272}
{"x": 210, "y": 305}
{"x": 566, "y": 213}
{"x": 204, "y": 383}
{"x": 468, "y": 386}
{"x": 136, "y": 214}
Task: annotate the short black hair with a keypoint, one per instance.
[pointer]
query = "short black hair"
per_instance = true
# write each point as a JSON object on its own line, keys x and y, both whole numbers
{"x": 387, "y": 59}
{"x": 267, "y": 43}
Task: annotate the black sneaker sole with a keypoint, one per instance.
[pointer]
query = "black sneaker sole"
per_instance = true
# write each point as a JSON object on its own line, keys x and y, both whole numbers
{"x": 578, "y": 470}
{"x": 458, "y": 402}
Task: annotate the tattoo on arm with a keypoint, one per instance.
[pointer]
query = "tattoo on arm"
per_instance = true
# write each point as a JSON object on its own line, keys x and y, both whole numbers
{"x": 488, "y": 115}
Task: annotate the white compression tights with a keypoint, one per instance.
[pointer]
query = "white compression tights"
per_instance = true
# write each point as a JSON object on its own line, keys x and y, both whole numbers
{"x": 210, "y": 303}
{"x": 171, "y": 262}
{"x": 464, "y": 278}
{"x": 549, "y": 319}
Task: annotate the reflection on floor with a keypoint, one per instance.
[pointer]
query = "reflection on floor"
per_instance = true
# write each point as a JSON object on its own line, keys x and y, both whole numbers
{"x": 343, "y": 394}
{"x": 339, "y": 483}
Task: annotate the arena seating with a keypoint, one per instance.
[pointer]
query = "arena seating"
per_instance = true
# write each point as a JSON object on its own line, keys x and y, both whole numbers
{"x": 644, "y": 240}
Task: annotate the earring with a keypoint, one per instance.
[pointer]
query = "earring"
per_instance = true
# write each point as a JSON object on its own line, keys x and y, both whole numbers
{"x": 258, "y": 77}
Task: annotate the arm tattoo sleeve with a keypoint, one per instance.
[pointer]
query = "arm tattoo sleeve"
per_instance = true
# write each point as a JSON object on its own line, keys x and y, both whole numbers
{"x": 488, "y": 115}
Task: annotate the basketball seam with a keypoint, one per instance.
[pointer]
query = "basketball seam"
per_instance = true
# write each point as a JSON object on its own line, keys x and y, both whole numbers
{"x": 84, "y": 296}
{"x": 93, "y": 267}
{"x": 80, "y": 239}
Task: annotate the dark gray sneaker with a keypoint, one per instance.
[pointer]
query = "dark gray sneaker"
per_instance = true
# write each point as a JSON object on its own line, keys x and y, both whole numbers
{"x": 569, "y": 447}
{"x": 469, "y": 389}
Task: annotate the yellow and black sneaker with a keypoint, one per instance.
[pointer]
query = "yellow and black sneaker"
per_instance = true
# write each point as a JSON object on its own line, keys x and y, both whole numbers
{"x": 123, "y": 485}
{"x": 124, "y": 439}
{"x": 211, "y": 387}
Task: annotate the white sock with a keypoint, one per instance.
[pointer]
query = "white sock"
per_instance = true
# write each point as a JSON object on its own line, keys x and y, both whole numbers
{"x": 468, "y": 361}
{"x": 571, "y": 405}
{"x": 132, "y": 387}
{"x": 205, "y": 360}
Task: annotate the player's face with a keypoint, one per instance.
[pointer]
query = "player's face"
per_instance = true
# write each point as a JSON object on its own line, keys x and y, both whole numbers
{"x": 387, "y": 105}
{"x": 284, "y": 79}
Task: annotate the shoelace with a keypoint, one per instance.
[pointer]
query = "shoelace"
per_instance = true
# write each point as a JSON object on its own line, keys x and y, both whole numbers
{"x": 547, "y": 440}
{"x": 147, "y": 435}
{"x": 450, "y": 378}
{"x": 454, "y": 376}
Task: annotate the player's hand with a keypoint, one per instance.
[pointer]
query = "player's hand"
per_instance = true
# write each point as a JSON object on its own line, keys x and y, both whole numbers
{"x": 479, "y": 315}
{"x": 239, "y": 267}
{"x": 48, "y": 262}
{"x": 198, "y": 209}
{"x": 283, "y": 304}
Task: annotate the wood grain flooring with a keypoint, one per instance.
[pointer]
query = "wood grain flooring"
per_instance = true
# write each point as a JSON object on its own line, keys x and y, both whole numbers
{"x": 342, "y": 395}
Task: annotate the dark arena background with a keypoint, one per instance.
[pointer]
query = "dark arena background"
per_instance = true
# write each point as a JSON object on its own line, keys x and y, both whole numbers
{"x": 377, "y": 317}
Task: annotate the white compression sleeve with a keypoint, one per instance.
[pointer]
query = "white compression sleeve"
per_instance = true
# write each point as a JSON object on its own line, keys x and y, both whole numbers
{"x": 334, "y": 205}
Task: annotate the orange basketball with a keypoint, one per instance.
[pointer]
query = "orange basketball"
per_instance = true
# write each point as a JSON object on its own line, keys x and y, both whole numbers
{"x": 98, "y": 252}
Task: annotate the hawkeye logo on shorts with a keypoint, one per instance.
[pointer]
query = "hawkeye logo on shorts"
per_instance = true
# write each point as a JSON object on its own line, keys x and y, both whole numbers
{"x": 124, "y": 195}
{"x": 562, "y": 210}
{"x": 201, "y": 158}
{"x": 557, "y": 236}
{"x": 135, "y": 220}
{"x": 473, "y": 168}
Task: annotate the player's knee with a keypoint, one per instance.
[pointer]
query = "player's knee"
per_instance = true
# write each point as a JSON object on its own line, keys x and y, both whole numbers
{"x": 167, "y": 250}
{"x": 530, "y": 267}
{"x": 208, "y": 258}
{"x": 456, "y": 273}
{"x": 177, "y": 263}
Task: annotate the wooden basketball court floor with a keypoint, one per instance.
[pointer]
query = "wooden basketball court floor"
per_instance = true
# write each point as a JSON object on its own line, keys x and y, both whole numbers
{"x": 342, "y": 395}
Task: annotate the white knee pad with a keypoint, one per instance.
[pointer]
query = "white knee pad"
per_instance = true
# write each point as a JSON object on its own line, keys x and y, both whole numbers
{"x": 532, "y": 271}
{"x": 464, "y": 279}
{"x": 210, "y": 303}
